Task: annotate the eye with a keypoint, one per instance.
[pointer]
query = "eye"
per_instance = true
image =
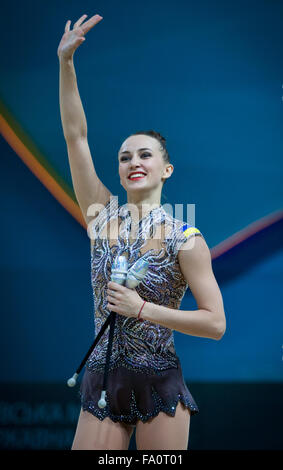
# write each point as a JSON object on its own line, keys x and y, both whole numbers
{"x": 123, "y": 159}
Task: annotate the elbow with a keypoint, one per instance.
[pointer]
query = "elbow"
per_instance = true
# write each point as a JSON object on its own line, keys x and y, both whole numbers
{"x": 220, "y": 330}
{"x": 219, "y": 335}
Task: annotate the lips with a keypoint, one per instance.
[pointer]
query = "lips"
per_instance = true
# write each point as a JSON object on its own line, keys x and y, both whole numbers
{"x": 138, "y": 173}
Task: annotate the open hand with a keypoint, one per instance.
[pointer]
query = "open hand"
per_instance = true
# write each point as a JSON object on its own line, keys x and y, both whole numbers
{"x": 73, "y": 38}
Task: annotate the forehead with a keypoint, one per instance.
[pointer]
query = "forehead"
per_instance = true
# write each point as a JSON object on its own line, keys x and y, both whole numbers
{"x": 134, "y": 142}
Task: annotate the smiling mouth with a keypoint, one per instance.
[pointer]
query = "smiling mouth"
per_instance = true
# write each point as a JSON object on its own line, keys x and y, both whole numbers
{"x": 134, "y": 178}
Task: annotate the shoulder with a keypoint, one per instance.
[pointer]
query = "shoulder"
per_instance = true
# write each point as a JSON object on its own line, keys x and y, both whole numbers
{"x": 183, "y": 233}
{"x": 177, "y": 232}
{"x": 196, "y": 265}
{"x": 185, "y": 239}
{"x": 194, "y": 250}
{"x": 191, "y": 242}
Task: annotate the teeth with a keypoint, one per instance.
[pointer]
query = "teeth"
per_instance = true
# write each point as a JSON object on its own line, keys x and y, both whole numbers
{"x": 136, "y": 175}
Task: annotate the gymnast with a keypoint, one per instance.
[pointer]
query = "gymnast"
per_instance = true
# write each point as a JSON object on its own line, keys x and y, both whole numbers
{"x": 146, "y": 391}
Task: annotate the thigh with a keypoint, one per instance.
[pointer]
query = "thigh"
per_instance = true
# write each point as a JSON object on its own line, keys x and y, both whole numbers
{"x": 165, "y": 432}
{"x": 92, "y": 434}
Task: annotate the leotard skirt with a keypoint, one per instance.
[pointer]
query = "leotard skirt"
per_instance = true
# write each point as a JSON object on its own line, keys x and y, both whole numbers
{"x": 133, "y": 396}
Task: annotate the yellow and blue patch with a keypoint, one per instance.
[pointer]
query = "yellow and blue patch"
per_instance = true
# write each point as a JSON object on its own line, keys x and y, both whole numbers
{"x": 189, "y": 229}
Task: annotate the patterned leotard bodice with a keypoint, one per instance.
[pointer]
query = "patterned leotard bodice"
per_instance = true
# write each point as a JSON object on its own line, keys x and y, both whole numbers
{"x": 157, "y": 237}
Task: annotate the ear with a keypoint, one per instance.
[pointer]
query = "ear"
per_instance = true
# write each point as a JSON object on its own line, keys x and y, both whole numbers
{"x": 168, "y": 170}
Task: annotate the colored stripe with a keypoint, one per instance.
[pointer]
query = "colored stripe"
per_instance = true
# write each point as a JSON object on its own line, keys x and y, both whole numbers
{"x": 39, "y": 170}
{"x": 191, "y": 230}
{"x": 246, "y": 233}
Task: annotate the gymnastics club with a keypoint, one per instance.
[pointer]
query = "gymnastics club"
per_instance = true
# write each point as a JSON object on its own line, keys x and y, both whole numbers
{"x": 118, "y": 274}
{"x": 134, "y": 276}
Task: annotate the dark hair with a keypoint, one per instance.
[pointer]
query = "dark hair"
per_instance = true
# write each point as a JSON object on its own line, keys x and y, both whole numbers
{"x": 161, "y": 140}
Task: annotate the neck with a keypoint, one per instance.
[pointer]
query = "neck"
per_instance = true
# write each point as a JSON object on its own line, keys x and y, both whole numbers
{"x": 141, "y": 206}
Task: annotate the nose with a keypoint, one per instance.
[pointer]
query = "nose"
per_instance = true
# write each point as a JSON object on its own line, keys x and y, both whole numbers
{"x": 134, "y": 162}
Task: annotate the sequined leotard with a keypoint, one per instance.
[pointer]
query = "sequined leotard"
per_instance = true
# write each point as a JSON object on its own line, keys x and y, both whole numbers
{"x": 145, "y": 374}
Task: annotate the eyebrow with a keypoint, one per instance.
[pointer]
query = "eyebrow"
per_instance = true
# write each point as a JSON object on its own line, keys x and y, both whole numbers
{"x": 126, "y": 151}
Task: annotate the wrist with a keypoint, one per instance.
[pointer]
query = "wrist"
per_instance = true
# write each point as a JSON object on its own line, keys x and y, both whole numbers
{"x": 147, "y": 312}
{"x": 139, "y": 316}
{"x": 66, "y": 59}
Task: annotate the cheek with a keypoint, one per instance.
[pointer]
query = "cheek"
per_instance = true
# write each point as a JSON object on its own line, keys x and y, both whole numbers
{"x": 122, "y": 176}
{"x": 122, "y": 172}
{"x": 156, "y": 171}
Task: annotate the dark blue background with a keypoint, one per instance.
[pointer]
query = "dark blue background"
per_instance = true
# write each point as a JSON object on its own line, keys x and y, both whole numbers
{"x": 208, "y": 76}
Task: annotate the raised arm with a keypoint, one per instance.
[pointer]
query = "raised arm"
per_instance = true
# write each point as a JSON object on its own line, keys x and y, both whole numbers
{"x": 87, "y": 186}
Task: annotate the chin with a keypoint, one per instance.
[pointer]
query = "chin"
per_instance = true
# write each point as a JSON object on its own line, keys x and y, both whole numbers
{"x": 135, "y": 186}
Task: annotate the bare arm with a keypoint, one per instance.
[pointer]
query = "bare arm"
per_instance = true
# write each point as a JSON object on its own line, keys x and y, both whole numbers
{"x": 72, "y": 113}
{"x": 209, "y": 320}
{"x": 87, "y": 186}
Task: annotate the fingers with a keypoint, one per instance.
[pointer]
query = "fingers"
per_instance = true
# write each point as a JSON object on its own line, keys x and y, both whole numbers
{"x": 79, "y": 22}
{"x": 91, "y": 22}
{"x": 113, "y": 285}
{"x": 86, "y": 26}
{"x": 67, "y": 27}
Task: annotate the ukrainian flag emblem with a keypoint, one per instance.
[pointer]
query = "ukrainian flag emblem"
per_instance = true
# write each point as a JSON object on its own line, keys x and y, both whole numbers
{"x": 189, "y": 229}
